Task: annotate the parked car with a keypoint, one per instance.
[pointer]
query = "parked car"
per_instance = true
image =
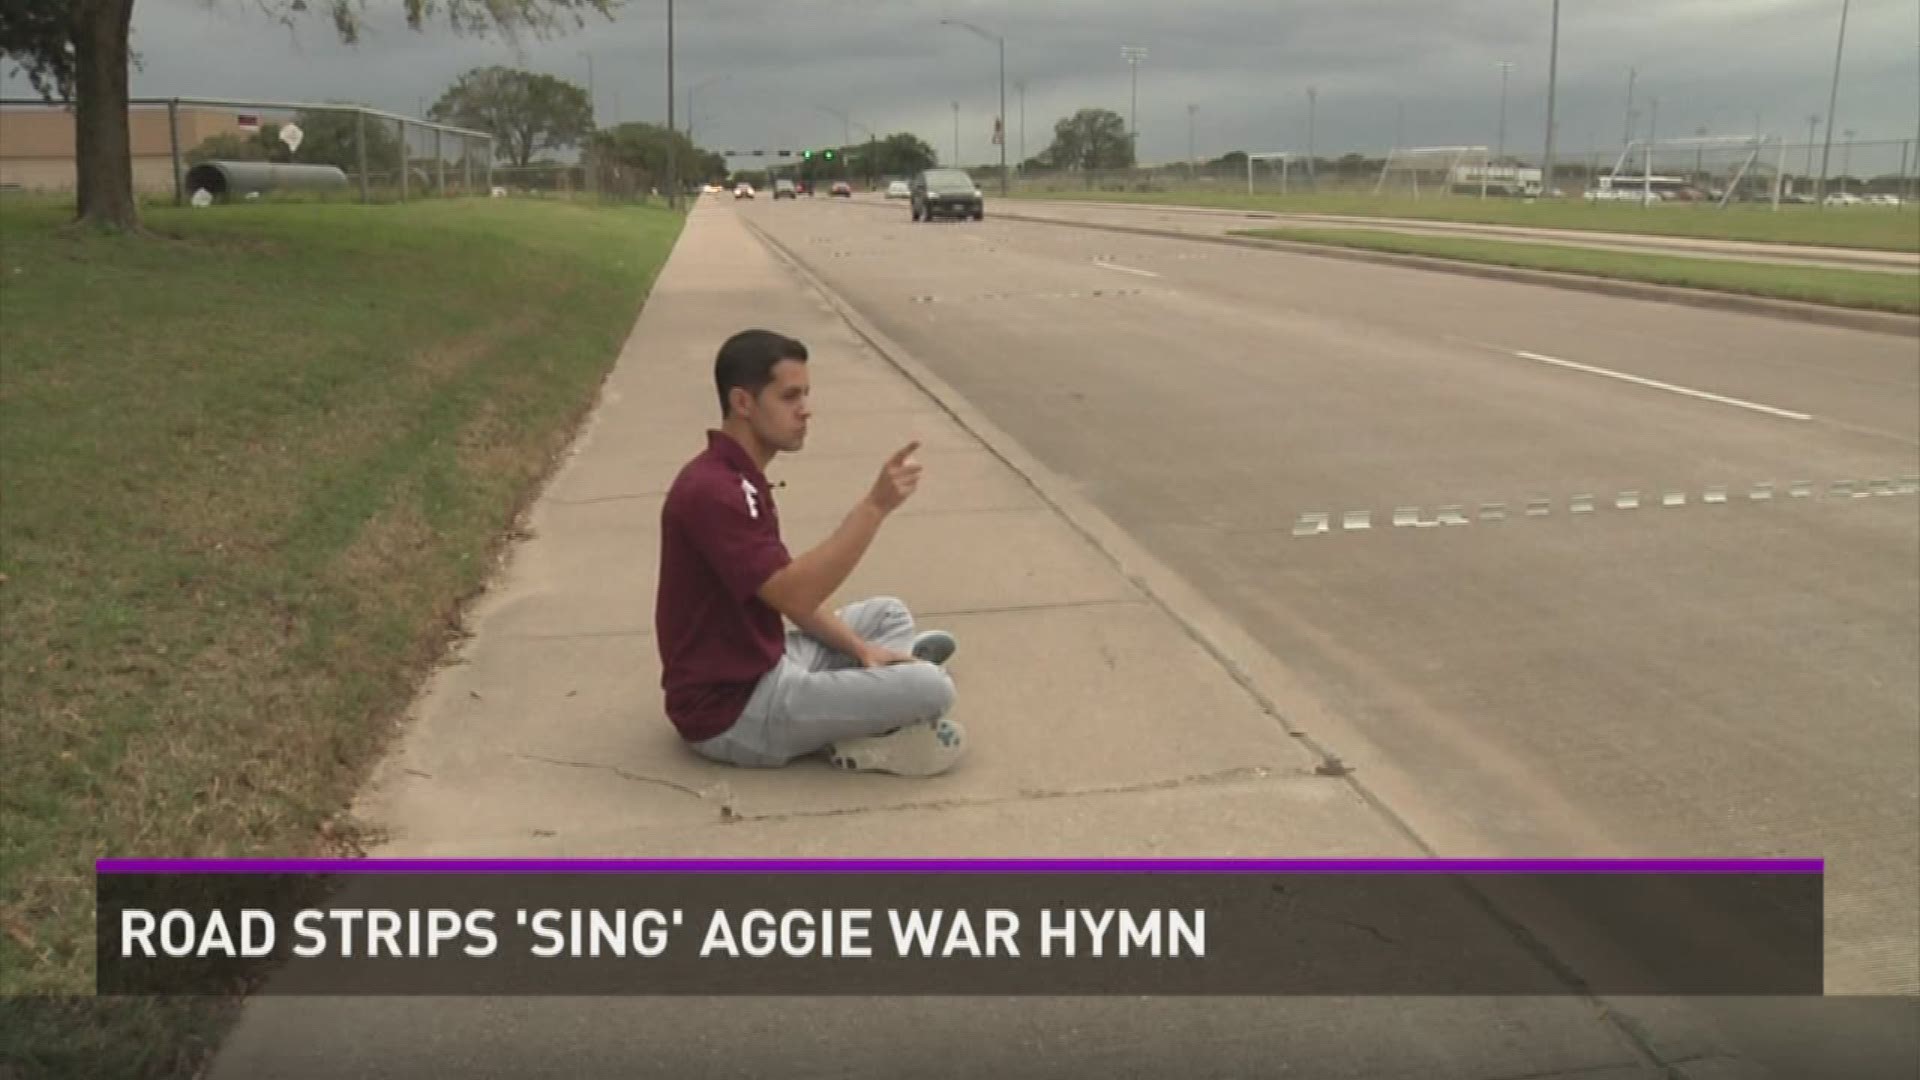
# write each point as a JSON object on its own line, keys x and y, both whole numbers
{"x": 899, "y": 189}
{"x": 1843, "y": 198}
{"x": 743, "y": 191}
{"x": 946, "y": 192}
{"x": 841, "y": 190}
{"x": 784, "y": 189}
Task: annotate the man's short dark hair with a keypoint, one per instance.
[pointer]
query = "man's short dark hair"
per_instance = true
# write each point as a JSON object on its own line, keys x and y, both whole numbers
{"x": 747, "y": 361}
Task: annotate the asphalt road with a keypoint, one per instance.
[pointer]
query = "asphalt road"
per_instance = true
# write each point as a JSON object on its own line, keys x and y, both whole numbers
{"x": 1593, "y": 609}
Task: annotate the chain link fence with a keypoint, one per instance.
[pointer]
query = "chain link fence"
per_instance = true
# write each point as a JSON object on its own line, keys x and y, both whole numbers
{"x": 1875, "y": 172}
{"x": 318, "y": 151}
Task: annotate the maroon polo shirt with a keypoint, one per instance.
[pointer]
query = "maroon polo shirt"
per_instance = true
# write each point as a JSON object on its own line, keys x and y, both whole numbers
{"x": 719, "y": 542}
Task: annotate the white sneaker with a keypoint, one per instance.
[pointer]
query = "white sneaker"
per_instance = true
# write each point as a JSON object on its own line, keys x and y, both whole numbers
{"x": 923, "y": 749}
{"x": 934, "y": 646}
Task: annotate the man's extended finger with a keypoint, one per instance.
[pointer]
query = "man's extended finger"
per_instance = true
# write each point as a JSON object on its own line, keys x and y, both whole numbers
{"x": 905, "y": 452}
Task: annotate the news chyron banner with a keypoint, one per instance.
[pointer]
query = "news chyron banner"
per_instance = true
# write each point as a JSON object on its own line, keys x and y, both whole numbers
{"x": 979, "y": 927}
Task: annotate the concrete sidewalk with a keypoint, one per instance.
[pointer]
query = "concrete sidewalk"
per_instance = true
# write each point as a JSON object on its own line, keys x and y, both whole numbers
{"x": 1101, "y": 726}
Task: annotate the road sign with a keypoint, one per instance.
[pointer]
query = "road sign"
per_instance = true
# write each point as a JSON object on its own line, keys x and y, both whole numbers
{"x": 291, "y": 135}
{"x": 999, "y": 131}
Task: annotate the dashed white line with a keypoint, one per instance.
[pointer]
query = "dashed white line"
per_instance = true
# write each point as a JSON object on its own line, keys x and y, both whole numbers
{"x": 1124, "y": 269}
{"x": 1784, "y": 414}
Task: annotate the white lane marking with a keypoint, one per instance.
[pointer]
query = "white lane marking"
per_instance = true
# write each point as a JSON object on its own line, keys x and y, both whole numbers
{"x": 1124, "y": 269}
{"x": 1688, "y": 391}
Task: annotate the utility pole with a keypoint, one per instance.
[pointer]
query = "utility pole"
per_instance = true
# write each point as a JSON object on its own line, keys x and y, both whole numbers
{"x": 1553, "y": 82}
{"x": 1833, "y": 103}
{"x": 956, "y": 134}
{"x": 1500, "y": 144}
{"x": 1813, "y": 123}
{"x": 1627, "y": 139}
{"x": 1133, "y": 54}
{"x": 1653, "y": 132}
{"x": 1846, "y": 160}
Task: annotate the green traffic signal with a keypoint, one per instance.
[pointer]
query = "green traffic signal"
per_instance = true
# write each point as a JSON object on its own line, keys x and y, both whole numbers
{"x": 829, "y": 155}
{"x": 806, "y": 153}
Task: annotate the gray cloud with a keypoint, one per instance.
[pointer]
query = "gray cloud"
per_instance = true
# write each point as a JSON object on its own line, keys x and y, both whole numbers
{"x": 1246, "y": 64}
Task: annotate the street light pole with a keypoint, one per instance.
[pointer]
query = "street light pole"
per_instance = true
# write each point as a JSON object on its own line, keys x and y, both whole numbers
{"x": 1191, "y": 159}
{"x": 1000, "y": 121}
{"x": 1833, "y": 102}
{"x": 673, "y": 164}
{"x": 956, "y": 134}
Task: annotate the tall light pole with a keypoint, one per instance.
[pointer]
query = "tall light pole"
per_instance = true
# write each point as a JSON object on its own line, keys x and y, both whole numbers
{"x": 1833, "y": 102}
{"x": 1500, "y": 146}
{"x": 1133, "y": 54}
{"x": 956, "y": 134}
{"x": 1813, "y": 124}
{"x": 1627, "y": 139}
{"x": 673, "y": 164}
{"x": 1191, "y": 109}
{"x": 1846, "y": 160}
{"x": 695, "y": 89}
{"x": 1022, "y": 86}
{"x": 593, "y": 101}
{"x": 1313, "y": 172}
{"x": 1553, "y": 82}
{"x": 1000, "y": 121}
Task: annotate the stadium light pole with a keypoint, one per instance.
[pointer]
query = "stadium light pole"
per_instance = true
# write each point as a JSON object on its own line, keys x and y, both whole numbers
{"x": 1313, "y": 173}
{"x": 1627, "y": 139}
{"x": 1833, "y": 102}
{"x": 1500, "y": 144}
{"x": 1000, "y": 123}
{"x": 1553, "y": 83}
{"x": 695, "y": 89}
{"x": 1133, "y": 54}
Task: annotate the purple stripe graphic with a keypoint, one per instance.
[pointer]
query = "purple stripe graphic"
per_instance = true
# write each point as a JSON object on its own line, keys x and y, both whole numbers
{"x": 960, "y": 866}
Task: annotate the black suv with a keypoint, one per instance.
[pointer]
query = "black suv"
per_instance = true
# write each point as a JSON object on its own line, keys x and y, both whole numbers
{"x": 946, "y": 193}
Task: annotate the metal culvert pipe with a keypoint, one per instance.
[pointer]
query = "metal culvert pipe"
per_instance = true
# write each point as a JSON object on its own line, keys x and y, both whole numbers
{"x": 238, "y": 179}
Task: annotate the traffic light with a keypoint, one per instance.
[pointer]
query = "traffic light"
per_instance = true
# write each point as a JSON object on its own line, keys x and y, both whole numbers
{"x": 806, "y": 153}
{"x": 829, "y": 155}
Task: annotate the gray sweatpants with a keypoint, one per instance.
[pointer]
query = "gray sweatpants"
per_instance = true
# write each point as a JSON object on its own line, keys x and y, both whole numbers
{"x": 817, "y": 696}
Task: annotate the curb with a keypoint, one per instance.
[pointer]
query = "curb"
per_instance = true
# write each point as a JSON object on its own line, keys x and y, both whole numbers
{"x": 1880, "y": 322}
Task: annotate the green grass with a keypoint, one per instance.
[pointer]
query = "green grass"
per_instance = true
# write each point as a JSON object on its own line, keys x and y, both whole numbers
{"x": 1845, "y": 288}
{"x": 251, "y": 468}
{"x": 1872, "y": 227}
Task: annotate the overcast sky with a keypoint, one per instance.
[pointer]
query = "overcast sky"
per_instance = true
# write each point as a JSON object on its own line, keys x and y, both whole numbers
{"x": 1246, "y": 64}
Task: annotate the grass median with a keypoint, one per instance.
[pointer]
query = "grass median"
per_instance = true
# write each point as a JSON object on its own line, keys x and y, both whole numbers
{"x": 252, "y": 467}
{"x": 1868, "y": 227}
{"x": 1872, "y": 290}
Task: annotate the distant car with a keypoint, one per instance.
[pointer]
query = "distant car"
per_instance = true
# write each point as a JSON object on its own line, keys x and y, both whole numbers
{"x": 899, "y": 189}
{"x": 1844, "y": 198}
{"x": 1883, "y": 199}
{"x": 946, "y": 192}
{"x": 784, "y": 189}
{"x": 842, "y": 190}
{"x": 743, "y": 191}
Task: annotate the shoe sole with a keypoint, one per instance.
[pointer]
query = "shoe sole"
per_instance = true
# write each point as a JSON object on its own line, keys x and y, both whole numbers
{"x": 915, "y": 750}
{"x": 935, "y": 647}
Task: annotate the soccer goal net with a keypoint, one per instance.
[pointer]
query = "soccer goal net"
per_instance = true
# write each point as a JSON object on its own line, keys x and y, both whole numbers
{"x": 1748, "y": 169}
{"x": 1443, "y": 170}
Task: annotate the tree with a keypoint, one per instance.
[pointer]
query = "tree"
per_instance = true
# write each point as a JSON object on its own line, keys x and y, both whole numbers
{"x": 525, "y": 112}
{"x": 78, "y": 49}
{"x": 1088, "y": 140}
{"x": 641, "y": 148}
